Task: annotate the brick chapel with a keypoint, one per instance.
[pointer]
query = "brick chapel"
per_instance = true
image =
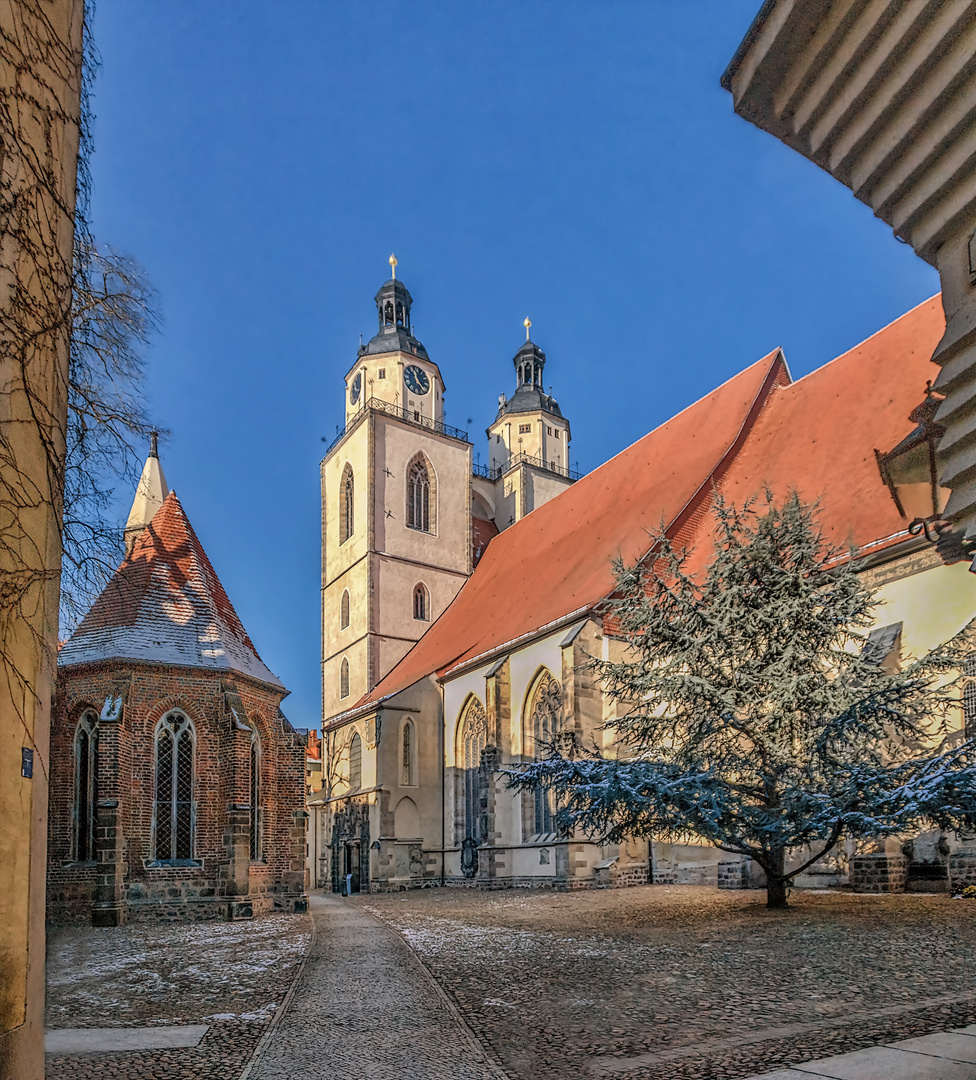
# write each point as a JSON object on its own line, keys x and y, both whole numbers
{"x": 177, "y": 783}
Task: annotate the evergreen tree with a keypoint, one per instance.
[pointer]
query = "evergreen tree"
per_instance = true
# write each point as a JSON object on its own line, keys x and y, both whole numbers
{"x": 752, "y": 712}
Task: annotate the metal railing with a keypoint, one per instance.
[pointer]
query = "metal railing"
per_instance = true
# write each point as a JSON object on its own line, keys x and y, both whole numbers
{"x": 490, "y": 473}
{"x": 410, "y": 416}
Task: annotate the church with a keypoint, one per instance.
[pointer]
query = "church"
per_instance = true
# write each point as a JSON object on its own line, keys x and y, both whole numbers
{"x": 177, "y": 784}
{"x": 460, "y": 604}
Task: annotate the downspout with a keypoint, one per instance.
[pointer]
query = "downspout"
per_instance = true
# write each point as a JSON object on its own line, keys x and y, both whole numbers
{"x": 443, "y": 785}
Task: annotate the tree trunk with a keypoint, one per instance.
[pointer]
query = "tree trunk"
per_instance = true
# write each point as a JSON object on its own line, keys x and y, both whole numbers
{"x": 776, "y": 881}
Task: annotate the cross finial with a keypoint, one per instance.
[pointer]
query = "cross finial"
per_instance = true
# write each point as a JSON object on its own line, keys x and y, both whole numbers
{"x": 527, "y": 324}
{"x": 393, "y": 265}
{"x": 153, "y": 444}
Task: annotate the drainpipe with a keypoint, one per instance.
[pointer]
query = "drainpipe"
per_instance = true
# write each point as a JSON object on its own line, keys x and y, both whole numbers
{"x": 443, "y": 784}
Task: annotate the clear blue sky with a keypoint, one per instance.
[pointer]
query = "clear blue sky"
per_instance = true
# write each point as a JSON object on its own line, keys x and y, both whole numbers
{"x": 576, "y": 162}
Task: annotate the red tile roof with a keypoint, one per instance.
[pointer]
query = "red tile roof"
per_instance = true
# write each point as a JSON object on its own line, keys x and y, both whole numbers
{"x": 556, "y": 560}
{"x": 817, "y": 435}
{"x": 481, "y": 533}
{"x": 165, "y": 604}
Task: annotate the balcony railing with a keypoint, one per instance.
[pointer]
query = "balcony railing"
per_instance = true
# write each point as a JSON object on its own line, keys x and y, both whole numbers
{"x": 489, "y": 473}
{"x": 410, "y": 416}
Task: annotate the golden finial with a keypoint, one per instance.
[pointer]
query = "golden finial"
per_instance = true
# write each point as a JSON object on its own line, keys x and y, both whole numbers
{"x": 527, "y": 324}
{"x": 393, "y": 265}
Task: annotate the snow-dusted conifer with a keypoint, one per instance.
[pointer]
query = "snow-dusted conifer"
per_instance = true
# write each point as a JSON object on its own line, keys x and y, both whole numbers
{"x": 752, "y": 715}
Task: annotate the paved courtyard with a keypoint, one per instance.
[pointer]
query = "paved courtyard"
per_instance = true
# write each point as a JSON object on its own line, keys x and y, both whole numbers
{"x": 684, "y": 982}
{"x": 228, "y": 977}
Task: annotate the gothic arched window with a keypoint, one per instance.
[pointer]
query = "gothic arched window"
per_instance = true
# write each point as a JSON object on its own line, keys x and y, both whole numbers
{"x": 174, "y": 810}
{"x": 344, "y": 678}
{"x": 421, "y": 604}
{"x": 419, "y": 495}
{"x": 86, "y": 780}
{"x": 347, "y": 520}
{"x": 257, "y": 811}
{"x": 406, "y": 754}
{"x": 355, "y": 762}
{"x": 473, "y": 785}
{"x": 540, "y": 726}
{"x": 344, "y": 610}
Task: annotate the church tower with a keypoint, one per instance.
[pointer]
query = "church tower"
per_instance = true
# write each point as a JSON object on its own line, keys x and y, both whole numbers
{"x": 396, "y": 528}
{"x": 528, "y": 448}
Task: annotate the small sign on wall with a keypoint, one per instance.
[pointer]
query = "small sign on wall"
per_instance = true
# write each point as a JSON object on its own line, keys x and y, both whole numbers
{"x": 26, "y": 762}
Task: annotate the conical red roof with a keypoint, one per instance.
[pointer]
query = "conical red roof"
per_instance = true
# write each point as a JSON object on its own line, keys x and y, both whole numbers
{"x": 165, "y": 605}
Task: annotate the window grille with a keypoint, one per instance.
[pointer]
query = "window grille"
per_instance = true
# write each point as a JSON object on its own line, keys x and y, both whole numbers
{"x": 344, "y": 610}
{"x": 344, "y": 678}
{"x": 256, "y": 810}
{"x": 347, "y": 521}
{"x": 421, "y": 607}
{"x": 544, "y": 717}
{"x": 406, "y": 770}
{"x": 969, "y": 698}
{"x": 473, "y": 741}
{"x": 355, "y": 762}
{"x": 381, "y": 373}
{"x": 418, "y": 496}
{"x": 86, "y": 781}
{"x": 174, "y": 809}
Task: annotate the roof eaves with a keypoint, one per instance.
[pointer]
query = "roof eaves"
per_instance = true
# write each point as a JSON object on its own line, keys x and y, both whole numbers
{"x": 449, "y": 672}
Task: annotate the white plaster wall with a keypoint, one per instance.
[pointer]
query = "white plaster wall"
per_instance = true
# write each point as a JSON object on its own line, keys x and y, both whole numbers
{"x": 525, "y": 861}
{"x": 934, "y": 606}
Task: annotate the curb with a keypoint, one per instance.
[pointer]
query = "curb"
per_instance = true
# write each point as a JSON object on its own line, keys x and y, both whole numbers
{"x": 491, "y": 1059}
{"x": 262, "y": 1044}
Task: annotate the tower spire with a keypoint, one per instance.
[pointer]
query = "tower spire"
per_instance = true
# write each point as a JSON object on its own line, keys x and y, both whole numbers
{"x": 527, "y": 324}
{"x": 151, "y": 490}
{"x": 393, "y": 265}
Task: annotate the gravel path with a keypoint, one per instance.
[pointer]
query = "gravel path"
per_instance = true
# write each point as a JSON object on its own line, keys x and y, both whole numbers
{"x": 689, "y": 982}
{"x": 365, "y": 1009}
{"x": 229, "y": 976}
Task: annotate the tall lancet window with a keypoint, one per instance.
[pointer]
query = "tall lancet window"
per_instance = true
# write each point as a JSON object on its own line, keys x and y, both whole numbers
{"x": 257, "y": 811}
{"x": 86, "y": 776}
{"x": 421, "y": 604}
{"x": 173, "y": 819}
{"x": 541, "y": 722}
{"x": 355, "y": 762}
{"x": 347, "y": 521}
{"x": 473, "y": 781}
{"x": 419, "y": 495}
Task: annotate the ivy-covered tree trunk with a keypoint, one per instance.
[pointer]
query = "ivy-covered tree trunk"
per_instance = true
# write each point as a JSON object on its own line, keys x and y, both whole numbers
{"x": 753, "y": 709}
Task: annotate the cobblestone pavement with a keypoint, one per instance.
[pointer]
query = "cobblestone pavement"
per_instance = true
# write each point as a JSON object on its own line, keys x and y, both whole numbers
{"x": 365, "y": 1009}
{"x": 230, "y": 976}
{"x": 669, "y": 982}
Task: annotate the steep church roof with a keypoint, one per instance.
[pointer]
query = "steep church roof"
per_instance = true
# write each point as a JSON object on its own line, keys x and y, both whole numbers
{"x": 759, "y": 428}
{"x": 165, "y": 604}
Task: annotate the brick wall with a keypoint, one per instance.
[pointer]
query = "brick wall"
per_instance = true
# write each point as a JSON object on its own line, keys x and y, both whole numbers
{"x": 123, "y": 881}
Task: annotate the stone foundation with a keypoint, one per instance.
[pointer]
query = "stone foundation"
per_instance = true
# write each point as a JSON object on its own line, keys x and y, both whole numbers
{"x": 740, "y": 874}
{"x": 962, "y": 870}
{"x": 879, "y": 873}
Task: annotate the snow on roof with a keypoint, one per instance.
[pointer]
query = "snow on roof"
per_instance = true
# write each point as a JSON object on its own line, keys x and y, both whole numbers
{"x": 165, "y": 605}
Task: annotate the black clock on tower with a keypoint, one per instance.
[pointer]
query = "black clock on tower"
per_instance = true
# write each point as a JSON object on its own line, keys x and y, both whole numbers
{"x": 416, "y": 380}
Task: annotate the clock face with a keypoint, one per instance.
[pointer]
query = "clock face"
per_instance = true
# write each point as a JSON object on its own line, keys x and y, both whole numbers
{"x": 416, "y": 380}
{"x": 357, "y": 385}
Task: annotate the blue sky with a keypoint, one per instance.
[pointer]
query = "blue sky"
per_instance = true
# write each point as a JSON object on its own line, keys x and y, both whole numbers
{"x": 574, "y": 162}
